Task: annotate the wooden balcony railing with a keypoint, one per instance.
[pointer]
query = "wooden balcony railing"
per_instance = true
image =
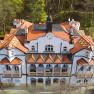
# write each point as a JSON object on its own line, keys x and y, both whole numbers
{"x": 48, "y": 74}
{"x": 11, "y": 74}
{"x": 83, "y": 75}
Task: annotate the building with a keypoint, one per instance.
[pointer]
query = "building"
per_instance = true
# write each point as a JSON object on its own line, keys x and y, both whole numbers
{"x": 46, "y": 53}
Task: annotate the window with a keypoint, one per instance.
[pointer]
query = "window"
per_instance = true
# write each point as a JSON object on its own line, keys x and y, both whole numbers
{"x": 33, "y": 48}
{"x": 81, "y": 68}
{"x": 49, "y": 48}
{"x": 64, "y": 68}
{"x": 49, "y": 68}
{"x": 32, "y": 68}
{"x": 89, "y": 68}
{"x": 65, "y": 48}
{"x": 16, "y": 68}
{"x": 55, "y": 80}
{"x": 40, "y": 80}
{"x": 8, "y": 68}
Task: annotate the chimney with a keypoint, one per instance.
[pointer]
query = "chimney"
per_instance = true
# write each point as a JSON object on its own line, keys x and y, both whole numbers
{"x": 49, "y": 23}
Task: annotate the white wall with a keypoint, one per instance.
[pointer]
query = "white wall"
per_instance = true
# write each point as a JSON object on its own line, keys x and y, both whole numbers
{"x": 49, "y": 39}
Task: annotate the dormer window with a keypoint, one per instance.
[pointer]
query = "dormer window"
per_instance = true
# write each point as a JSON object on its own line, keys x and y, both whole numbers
{"x": 33, "y": 48}
{"x": 65, "y": 48}
{"x": 8, "y": 68}
{"x": 49, "y": 48}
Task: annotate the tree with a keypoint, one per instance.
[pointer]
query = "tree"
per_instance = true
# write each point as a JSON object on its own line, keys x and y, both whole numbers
{"x": 35, "y": 10}
{"x": 8, "y": 11}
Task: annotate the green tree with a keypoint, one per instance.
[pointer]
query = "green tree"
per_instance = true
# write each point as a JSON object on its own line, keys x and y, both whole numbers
{"x": 35, "y": 10}
{"x": 8, "y": 11}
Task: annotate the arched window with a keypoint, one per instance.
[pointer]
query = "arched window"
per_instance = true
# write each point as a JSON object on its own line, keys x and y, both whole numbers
{"x": 33, "y": 48}
{"x": 55, "y": 80}
{"x": 89, "y": 68}
{"x": 40, "y": 80}
{"x": 81, "y": 68}
{"x": 32, "y": 68}
{"x": 33, "y": 81}
{"x": 62, "y": 81}
{"x": 57, "y": 68}
{"x": 48, "y": 81}
{"x": 49, "y": 48}
{"x": 65, "y": 68}
{"x": 40, "y": 68}
{"x": 16, "y": 68}
{"x": 49, "y": 68}
{"x": 8, "y": 68}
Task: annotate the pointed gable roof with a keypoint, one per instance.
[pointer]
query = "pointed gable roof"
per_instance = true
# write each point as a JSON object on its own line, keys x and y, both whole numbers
{"x": 66, "y": 60}
{"x": 31, "y": 59}
{"x": 58, "y": 59}
{"x": 16, "y": 61}
{"x": 40, "y": 59}
{"x": 91, "y": 62}
{"x": 5, "y": 61}
{"x": 49, "y": 59}
{"x": 16, "y": 43}
{"x": 82, "y": 61}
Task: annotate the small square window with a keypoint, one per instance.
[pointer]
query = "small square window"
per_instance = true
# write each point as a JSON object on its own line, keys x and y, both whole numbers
{"x": 33, "y": 48}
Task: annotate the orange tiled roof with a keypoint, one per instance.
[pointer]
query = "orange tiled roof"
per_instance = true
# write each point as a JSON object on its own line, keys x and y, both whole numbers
{"x": 63, "y": 35}
{"x": 16, "y": 61}
{"x": 91, "y": 62}
{"x": 5, "y": 61}
{"x": 32, "y": 35}
{"x": 58, "y": 59}
{"x": 66, "y": 59}
{"x": 31, "y": 59}
{"x": 8, "y": 38}
{"x": 82, "y": 62}
{"x": 49, "y": 59}
{"x": 26, "y": 24}
{"x": 40, "y": 59}
{"x": 16, "y": 43}
{"x": 66, "y": 25}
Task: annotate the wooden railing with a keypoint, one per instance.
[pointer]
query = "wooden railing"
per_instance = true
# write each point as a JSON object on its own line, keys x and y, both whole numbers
{"x": 84, "y": 74}
{"x": 48, "y": 74}
{"x": 11, "y": 74}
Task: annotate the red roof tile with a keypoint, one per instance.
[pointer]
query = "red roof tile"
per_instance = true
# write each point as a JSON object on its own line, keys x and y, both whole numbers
{"x": 16, "y": 61}
{"x": 82, "y": 62}
{"x": 5, "y": 61}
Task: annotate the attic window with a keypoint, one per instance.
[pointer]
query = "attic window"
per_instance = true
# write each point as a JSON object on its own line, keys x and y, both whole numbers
{"x": 49, "y": 48}
{"x": 65, "y": 48}
{"x": 33, "y": 48}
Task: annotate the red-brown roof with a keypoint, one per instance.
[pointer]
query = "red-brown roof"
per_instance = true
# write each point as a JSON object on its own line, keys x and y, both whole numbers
{"x": 31, "y": 59}
{"x": 58, "y": 59}
{"x": 16, "y": 61}
{"x": 66, "y": 60}
{"x": 49, "y": 59}
{"x": 5, "y": 61}
{"x": 40, "y": 59}
{"x": 82, "y": 61}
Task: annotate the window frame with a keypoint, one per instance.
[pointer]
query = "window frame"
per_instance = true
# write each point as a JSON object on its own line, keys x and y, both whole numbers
{"x": 49, "y": 48}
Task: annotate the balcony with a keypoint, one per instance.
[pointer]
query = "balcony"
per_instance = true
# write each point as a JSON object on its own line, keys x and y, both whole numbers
{"x": 48, "y": 74}
{"x": 83, "y": 75}
{"x": 10, "y": 74}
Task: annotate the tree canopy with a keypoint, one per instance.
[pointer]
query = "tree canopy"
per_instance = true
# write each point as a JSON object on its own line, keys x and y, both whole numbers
{"x": 36, "y": 11}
